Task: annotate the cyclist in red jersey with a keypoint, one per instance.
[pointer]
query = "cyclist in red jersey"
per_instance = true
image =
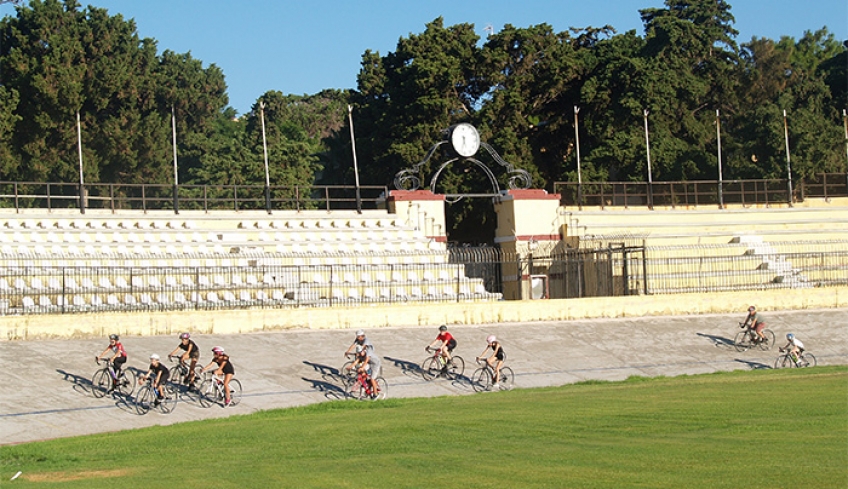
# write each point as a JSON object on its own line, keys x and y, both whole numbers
{"x": 119, "y": 355}
{"x": 447, "y": 346}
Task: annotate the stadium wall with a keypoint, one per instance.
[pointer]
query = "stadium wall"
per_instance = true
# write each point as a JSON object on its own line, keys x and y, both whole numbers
{"x": 413, "y": 315}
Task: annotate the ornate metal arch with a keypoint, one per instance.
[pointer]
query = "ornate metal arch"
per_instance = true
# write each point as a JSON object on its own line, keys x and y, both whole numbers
{"x": 408, "y": 179}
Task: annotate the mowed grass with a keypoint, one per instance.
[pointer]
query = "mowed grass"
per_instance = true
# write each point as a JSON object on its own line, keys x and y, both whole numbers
{"x": 769, "y": 429}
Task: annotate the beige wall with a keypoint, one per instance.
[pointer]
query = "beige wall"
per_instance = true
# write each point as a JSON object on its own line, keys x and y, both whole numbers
{"x": 422, "y": 314}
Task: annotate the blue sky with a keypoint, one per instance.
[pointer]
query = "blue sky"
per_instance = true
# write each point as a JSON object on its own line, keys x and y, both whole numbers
{"x": 302, "y": 47}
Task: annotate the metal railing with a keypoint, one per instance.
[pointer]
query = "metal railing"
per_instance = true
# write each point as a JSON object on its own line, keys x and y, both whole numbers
{"x": 698, "y": 192}
{"x": 34, "y": 285}
{"x": 154, "y": 197}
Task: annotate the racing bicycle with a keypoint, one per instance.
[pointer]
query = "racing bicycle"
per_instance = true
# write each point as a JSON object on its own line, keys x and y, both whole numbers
{"x": 482, "y": 379}
{"x": 212, "y": 391}
{"x": 435, "y": 366}
{"x": 179, "y": 372}
{"x": 146, "y": 398}
{"x": 107, "y": 380}
{"x": 805, "y": 359}
{"x": 360, "y": 387}
{"x": 745, "y": 340}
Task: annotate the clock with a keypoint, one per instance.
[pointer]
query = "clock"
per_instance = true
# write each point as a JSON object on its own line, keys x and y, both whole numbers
{"x": 465, "y": 139}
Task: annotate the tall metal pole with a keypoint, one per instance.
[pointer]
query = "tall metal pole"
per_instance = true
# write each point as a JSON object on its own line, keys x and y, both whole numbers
{"x": 265, "y": 152}
{"x": 845, "y": 125}
{"x": 82, "y": 181}
{"x": 355, "y": 165}
{"x": 718, "y": 137}
{"x": 174, "y": 145}
{"x": 788, "y": 163}
{"x": 650, "y": 176}
{"x": 579, "y": 173}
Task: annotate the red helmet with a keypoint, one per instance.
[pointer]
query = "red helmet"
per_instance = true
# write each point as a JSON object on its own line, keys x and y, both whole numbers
{"x": 185, "y": 336}
{"x": 217, "y": 350}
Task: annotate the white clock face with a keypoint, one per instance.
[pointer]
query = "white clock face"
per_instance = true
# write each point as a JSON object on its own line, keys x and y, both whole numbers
{"x": 465, "y": 140}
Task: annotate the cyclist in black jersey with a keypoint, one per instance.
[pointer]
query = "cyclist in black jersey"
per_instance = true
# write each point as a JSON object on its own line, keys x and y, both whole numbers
{"x": 190, "y": 355}
{"x": 495, "y": 360}
{"x": 225, "y": 368}
{"x": 160, "y": 376}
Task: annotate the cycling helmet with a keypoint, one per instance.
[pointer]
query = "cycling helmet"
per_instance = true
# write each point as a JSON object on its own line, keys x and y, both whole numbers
{"x": 491, "y": 339}
{"x": 185, "y": 336}
{"x": 154, "y": 356}
{"x": 790, "y": 336}
{"x": 217, "y": 350}
{"x": 113, "y": 337}
{"x": 752, "y": 309}
{"x": 443, "y": 327}
{"x": 360, "y": 332}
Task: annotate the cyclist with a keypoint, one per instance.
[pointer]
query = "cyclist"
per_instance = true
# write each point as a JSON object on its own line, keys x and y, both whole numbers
{"x": 119, "y": 356}
{"x": 795, "y": 347}
{"x": 365, "y": 366}
{"x": 754, "y": 322}
{"x": 191, "y": 355}
{"x": 495, "y": 360}
{"x": 160, "y": 373}
{"x": 447, "y": 346}
{"x": 225, "y": 368}
{"x": 364, "y": 342}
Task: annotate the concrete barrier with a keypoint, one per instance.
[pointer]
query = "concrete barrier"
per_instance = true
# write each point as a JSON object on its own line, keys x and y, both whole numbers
{"x": 418, "y": 314}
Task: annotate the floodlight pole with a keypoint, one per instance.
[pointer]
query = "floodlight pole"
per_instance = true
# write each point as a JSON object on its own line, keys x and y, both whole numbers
{"x": 355, "y": 165}
{"x": 82, "y": 181}
{"x": 265, "y": 152}
{"x": 579, "y": 173}
{"x": 174, "y": 145}
{"x": 788, "y": 162}
{"x": 650, "y": 177}
{"x": 718, "y": 137}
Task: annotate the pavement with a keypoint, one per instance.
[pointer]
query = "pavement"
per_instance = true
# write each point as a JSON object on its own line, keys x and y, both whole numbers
{"x": 47, "y": 386}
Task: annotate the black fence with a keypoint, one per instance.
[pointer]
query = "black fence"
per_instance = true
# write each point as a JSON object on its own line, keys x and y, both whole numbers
{"x": 34, "y": 285}
{"x": 150, "y": 197}
{"x": 700, "y": 192}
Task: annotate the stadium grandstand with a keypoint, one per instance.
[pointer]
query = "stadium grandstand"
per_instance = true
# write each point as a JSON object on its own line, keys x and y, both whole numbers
{"x": 59, "y": 260}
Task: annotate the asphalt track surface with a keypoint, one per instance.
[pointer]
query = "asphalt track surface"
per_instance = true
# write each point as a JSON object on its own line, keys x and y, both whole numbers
{"x": 47, "y": 384}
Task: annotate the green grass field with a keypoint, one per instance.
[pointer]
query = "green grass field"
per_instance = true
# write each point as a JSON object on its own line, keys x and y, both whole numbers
{"x": 745, "y": 429}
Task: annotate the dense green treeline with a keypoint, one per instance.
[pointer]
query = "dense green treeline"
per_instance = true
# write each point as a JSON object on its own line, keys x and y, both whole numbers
{"x": 519, "y": 86}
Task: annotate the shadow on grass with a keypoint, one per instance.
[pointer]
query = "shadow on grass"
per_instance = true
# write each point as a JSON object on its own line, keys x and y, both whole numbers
{"x": 718, "y": 341}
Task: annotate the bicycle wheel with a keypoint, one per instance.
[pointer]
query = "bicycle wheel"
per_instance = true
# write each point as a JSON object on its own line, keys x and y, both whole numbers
{"x": 783, "y": 361}
{"x": 481, "y": 380}
{"x": 144, "y": 399}
{"x": 347, "y": 374}
{"x": 235, "y": 392}
{"x": 742, "y": 341}
{"x": 430, "y": 368}
{"x": 177, "y": 373}
{"x": 101, "y": 382}
{"x": 384, "y": 388}
{"x": 456, "y": 367}
{"x": 168, "y": 404}
{"x": 769, "y": 341}
{"x": 506, "y": 379}
{"x": 208, "y": 394}
{"x": 807, "y": 360}
{"x": 126, "y": 382}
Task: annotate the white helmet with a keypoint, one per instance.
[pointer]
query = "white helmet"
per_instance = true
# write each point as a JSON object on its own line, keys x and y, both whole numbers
{"x": 154, "y": 356}
{"x": 360, "y": 332}
{"x": 491, "y": 339}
